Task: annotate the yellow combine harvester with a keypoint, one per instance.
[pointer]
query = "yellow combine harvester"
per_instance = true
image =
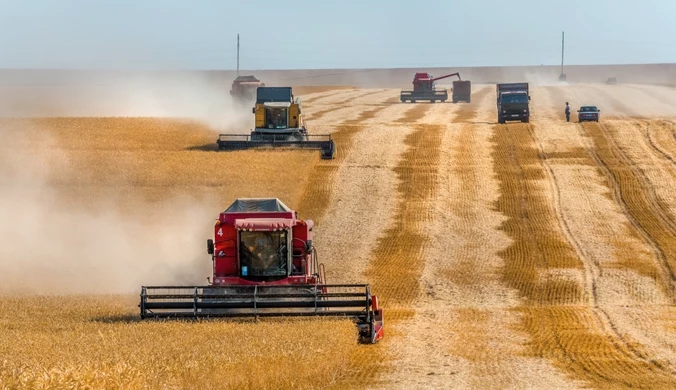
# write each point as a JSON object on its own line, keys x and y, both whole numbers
{"x": 279, "y": 123}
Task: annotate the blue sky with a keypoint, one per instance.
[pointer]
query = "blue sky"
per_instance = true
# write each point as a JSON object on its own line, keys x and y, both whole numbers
{"x": 288, "y": 34}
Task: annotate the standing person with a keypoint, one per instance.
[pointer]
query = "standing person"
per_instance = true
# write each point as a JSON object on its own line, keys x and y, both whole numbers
{"x": 567, "y": 112}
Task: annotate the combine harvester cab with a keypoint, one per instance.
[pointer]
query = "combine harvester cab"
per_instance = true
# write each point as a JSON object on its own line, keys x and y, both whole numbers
{"x": 279, "y": 123}
{"x": 265, "y": 265}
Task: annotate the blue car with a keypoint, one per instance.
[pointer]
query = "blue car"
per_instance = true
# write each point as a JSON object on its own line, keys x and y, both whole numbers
{"x": 588, "y": 113}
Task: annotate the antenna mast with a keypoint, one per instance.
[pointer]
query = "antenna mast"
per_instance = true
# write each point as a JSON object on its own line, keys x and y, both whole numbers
{"x": 562, "y": 76}
{"x": 237, "y": 54}
{"x": 563, "y": 46}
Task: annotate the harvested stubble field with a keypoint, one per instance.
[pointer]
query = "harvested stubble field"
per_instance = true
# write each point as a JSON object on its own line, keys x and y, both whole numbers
{"x": 536, "y": 255}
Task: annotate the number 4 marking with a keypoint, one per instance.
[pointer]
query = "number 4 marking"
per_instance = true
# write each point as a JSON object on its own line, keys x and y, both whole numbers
{"x": 220, "y": 232}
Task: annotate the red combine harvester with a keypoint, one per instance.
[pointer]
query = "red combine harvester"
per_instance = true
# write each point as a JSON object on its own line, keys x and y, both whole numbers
{"x": 264, "y": 265}
{"x": 244, "y": 88}
{"x": 424, "y": 88}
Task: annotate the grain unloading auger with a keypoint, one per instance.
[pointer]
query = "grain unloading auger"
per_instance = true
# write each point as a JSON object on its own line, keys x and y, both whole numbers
{"x": 265, "y": 265}
{"x": 279, "y": 123}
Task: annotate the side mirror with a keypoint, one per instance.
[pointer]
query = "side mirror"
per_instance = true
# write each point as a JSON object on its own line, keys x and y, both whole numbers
{"x": 210, "y": 246}
{"x": 578, "y": 110}
{"x": 598, "y": 110}
{"x": 253, "y": 110}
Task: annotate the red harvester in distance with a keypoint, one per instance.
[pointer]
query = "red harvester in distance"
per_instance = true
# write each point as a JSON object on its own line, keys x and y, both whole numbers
{"x": 244, "y": 88}
{"x": 424, "y": 88}
{"x": 265, "y": 265}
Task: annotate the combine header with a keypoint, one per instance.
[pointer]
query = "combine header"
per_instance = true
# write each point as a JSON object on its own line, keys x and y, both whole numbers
{"x": 424, "y": 88}
{"x": 265, "y": 265}
{"x": 279, "y": 123}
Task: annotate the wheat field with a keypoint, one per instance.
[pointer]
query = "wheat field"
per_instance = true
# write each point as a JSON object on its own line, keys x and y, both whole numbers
{"x": 535, "y": 255}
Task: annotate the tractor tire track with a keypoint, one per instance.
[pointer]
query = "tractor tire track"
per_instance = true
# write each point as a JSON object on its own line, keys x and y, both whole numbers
{"x": 591, "y": 268}
{"x": 317, "y": 195}
{"x": 577, "y": 338}
{"x": 643, "y": 209}
{"x": 483, "y": 315}
{"x": 335, "y": 195}
{"x": 415, "y": 113}
{"x": 537, "y": 243}
{"x": 398, "y": 261}
{"x": 403, "y": 244}
{"x": 658, "y": 149}
{"x": 322, "y": 96}
{"x": 591, "y": 273}
{"x": 521, "y": 257}
{"x": 343, "y": 103}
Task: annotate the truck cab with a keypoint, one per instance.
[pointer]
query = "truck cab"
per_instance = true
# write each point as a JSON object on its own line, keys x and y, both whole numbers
{"x": 513, "y": 102}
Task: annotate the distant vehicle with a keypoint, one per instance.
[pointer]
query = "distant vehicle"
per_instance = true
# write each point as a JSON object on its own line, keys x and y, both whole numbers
{"x": 588, "y": 113}
{"x": 611, "y": 81}
{"x": 244, "y": 88}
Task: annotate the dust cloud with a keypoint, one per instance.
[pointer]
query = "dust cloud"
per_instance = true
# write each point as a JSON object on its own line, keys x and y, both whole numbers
{"x": 49, "y": 247}
{"x": 188, "y": 95}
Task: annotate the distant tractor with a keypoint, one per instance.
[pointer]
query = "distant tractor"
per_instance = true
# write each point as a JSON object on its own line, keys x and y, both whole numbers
{"x": 265, "y": 265}
{"x": 424, "y": 88}
{"x": 244, "y": 88}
